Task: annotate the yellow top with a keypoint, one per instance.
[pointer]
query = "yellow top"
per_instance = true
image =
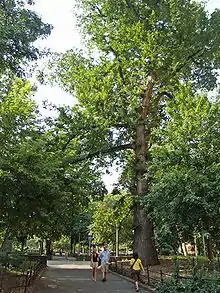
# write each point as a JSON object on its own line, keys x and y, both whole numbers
{"x": 138, "y": 264}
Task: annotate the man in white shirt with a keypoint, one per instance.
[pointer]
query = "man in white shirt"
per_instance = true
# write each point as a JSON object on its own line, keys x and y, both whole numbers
{"x": 104, "y": 257}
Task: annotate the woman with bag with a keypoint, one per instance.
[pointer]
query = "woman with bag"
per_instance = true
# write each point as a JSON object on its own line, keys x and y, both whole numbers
{"x": 136, "y": 268}
{"x": 94, "y": 263}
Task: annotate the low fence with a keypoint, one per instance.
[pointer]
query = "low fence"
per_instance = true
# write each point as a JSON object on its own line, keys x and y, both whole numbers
{"x": 19, "y": 277}
{"x": 149, "y": 277}
{"x": 174, "y": 270}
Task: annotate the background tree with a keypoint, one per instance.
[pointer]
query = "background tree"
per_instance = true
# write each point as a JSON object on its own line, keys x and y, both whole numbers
{"x": 114, "y": 211}
{"x": 40, "y": 194}
{"x": 20, "y": 27}
{"x": 184, "y": 165}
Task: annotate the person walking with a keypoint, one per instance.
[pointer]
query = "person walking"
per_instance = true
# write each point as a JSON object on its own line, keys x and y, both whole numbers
{"x": 104, "y": 259}
{"x": 136, "y": 268}
{"x": 94, "y": 263}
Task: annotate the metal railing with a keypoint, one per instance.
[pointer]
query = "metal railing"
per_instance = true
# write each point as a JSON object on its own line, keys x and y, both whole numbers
{"x": 154, "y": 276}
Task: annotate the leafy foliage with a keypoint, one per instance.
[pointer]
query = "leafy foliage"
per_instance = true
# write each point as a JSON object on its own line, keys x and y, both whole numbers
{"x": 191, "y": 285}
{"x": 184, "y": 194}
{"x": 20, "y": 27}
{"x": 114, "y": 210}
{"x": 40, "y": 193}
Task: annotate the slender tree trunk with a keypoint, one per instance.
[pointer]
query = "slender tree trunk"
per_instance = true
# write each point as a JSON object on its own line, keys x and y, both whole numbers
{"x": 7, "y": 242}
{"x": 74, "y": 246}
{"x": 185, "y": 251}
{"x": 71, "y": 244}
{"x": 117, "y": 241}
{"x": 181, "y": 247}
{"x": 209, "y": 248}
{"x": 41, "y": 248}
{"x": 23, "y": 243}
{"x": 195, "y": 245}
{"x": 48, "y": 249}
{"x": 144, "y": 242}
{"x": 3, "y": 244}
{"x": 204, "y": 245}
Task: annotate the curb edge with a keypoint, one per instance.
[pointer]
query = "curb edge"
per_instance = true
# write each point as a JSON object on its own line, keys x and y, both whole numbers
{"x": 148, "y": 288}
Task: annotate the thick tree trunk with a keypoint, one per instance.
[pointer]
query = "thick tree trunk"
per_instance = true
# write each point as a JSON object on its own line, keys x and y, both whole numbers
{"x": 144, "y": 242}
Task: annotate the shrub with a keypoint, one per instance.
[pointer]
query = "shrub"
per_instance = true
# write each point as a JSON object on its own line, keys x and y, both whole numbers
{"x": 191, "y": 285}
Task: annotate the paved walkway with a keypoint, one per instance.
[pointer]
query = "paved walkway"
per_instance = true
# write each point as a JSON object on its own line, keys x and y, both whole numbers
{"x": 71, "y": 276}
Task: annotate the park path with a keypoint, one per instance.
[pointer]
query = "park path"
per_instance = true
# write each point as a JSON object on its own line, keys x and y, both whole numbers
{"x": 71, "y": 276}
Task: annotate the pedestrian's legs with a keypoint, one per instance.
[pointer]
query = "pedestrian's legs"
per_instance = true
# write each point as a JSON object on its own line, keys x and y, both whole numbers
{"x": 135, "y": 276}
{"x": 137, "y": 279}
{"x": 104, "y": 272}
{"x": 94, "y": 271}
{"x": 95, "y": 274}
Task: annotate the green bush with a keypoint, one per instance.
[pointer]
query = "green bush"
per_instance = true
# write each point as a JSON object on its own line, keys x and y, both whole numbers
{"x": 193, "y": 285}
{"x": 16, "y": 262}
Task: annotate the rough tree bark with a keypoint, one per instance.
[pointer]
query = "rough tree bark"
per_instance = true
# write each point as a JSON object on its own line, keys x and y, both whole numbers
{"x": 144, "y": 242}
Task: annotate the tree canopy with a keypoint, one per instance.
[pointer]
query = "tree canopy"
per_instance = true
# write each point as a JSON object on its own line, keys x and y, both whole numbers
{"x": 185, "y": 167}
{"x": 137, "y": 57}
{"x": 20, "y": 27}
{"x": 111, "y": 213}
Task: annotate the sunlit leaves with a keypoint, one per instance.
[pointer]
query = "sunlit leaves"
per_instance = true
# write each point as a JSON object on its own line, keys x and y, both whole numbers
{"x": 185, "y": 165}
{"x": 115, "y": 210}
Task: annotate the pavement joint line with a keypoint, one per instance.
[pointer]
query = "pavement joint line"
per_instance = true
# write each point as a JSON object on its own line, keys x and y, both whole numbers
{"x": 146, "y": 287}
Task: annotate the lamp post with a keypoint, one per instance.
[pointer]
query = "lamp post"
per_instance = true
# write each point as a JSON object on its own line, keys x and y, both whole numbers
{"x": 89, "y": 238}
{"x": 116, "y": 240}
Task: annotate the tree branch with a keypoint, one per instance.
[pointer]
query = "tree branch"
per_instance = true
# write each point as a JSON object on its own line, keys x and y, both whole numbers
{"x": 95, "y": 7}
{"x": 132, "y": 7}
{"x": 117, "y": 126}
{"x": 119, "y": 61}
{"x": 102, "y": 152}
{"x": 155, "y": 113}
{"x": 189, "y": 58}
{"x": 68, "y": 142}
{"x": 147, "y": 93}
